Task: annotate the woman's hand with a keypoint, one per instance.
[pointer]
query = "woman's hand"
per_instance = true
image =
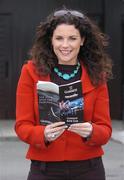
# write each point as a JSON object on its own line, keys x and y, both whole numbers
{"x": 82, "y": 129}
{"x": 54, "y": 130}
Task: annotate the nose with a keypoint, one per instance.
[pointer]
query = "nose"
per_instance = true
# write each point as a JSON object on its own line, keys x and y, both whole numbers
{"x": 65, "y": 43}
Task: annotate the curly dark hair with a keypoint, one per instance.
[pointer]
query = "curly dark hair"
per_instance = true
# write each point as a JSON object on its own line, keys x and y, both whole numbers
{"x": 92, "y": 53}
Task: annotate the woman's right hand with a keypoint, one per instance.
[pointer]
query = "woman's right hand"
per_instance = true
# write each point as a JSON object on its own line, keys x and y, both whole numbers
{"x": 54, "y": 130}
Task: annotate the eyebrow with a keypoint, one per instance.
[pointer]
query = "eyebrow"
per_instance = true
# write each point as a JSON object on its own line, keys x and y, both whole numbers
{"x": 68, "y": 36}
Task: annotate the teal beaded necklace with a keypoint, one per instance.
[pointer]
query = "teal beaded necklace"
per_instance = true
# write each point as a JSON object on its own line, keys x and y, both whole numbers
{"x": 66, "y": 76}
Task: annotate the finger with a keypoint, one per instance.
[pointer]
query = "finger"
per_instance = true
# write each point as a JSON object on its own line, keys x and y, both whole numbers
{"x": 80, "y": 128}
{"x": 83, "y": 125}
{"x": 58, "y": 128}
{"x": 54, "y": 136}
{"x": 76, "y": 125}
{"x": 58, "y": 133}
{"x": 61, "y": 132}
{"x": 49, "y": 131}
{"x": 56, "y": 124}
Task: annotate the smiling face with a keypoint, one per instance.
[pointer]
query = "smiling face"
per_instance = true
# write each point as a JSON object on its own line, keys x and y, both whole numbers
{"x": 66, "y": 42}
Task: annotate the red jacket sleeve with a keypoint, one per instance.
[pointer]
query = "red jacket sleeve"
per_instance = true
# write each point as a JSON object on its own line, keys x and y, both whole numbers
{"x": 101, "y": 121}
{"x": 26, "y": 126}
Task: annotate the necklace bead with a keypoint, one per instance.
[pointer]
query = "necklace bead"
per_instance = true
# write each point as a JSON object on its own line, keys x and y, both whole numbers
{"x": 66, "y": 76}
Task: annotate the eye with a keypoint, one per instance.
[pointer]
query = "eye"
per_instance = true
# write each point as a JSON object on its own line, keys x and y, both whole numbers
{"x": 58, "y": 38}
{"x": 73, "y": 38}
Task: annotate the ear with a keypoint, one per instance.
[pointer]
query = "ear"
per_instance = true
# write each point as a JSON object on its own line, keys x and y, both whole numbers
{"x": 82, "y": 41}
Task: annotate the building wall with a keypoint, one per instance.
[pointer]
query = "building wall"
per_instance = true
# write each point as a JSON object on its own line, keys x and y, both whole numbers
{"x": 18, "y": 20}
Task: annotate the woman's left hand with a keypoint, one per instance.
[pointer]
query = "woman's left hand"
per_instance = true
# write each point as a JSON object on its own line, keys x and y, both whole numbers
{"x": 82, "y": 129}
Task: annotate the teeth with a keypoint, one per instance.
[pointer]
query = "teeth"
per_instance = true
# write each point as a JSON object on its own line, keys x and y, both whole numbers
{"x": 65, "y": 52}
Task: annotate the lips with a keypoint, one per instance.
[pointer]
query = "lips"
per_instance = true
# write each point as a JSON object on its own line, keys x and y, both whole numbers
{"x": 65, "y": 52}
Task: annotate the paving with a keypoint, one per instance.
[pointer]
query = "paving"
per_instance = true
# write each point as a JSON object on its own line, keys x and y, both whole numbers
{"x": 7, "y": 130}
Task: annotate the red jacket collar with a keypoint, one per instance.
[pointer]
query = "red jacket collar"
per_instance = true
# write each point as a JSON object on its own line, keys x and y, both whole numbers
{"x": 87, "y": 85}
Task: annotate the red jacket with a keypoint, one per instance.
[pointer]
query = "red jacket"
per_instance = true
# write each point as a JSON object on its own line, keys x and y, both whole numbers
{"x": 69, "y": 146}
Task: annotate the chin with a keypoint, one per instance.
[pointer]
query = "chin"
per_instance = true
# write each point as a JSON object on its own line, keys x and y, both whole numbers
{"x": 66, "y": 61}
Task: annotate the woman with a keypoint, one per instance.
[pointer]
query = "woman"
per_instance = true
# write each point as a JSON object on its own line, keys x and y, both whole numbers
{"x": 67, "y": 41}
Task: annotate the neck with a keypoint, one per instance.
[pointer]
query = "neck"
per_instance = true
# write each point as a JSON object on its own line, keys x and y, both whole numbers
{"x": 67, "y": 63}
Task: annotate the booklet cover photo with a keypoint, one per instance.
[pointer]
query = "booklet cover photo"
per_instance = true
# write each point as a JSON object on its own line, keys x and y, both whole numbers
{"x": 60, "y": 103}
